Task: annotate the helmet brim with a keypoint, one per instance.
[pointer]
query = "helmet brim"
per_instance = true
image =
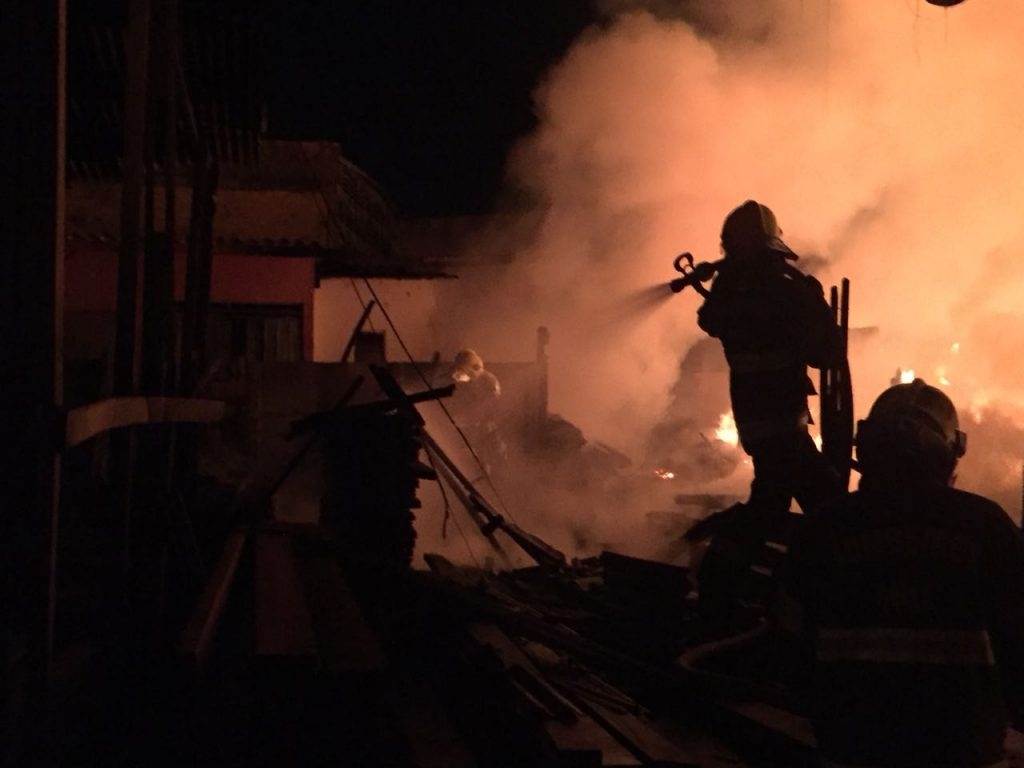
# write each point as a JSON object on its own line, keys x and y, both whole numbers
{"x": 776, "y": 245}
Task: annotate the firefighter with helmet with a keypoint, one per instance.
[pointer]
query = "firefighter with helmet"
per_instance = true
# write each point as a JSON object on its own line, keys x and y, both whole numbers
{"x": 773, "y": 322}
{"x": 475, "y": 407}
{"x": 909, "y": 596}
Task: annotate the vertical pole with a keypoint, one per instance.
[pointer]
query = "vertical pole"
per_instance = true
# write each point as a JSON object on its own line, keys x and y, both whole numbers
{"x": 127, "y": 339}
{"x": 844, "y": 313}
{"x": 32, "y": 133}
{"x": 198, "y": 266}
{"x": 126, "y": 358}
{"x": 154, "y": 466}
{"x": 170, "y": 161}
{"x": 198, "y": 260}
{"x": 158, "y": 293}
{"x": 541, "y": 413}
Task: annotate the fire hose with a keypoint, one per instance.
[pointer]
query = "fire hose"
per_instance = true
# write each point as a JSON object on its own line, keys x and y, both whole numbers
{"x": 693, "y": 275}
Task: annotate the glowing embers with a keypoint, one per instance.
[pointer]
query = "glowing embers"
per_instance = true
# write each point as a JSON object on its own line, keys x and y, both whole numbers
{"x": 940, "y": 372}
{"x": 665, "y": 474}
{"x": 726, "y": 430}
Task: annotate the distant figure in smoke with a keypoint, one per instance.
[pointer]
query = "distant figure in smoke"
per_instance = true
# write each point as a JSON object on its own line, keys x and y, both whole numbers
{"x": 773, "y": 323}
{"x": 475, "y": 407}
{"x": 910, "y": 597}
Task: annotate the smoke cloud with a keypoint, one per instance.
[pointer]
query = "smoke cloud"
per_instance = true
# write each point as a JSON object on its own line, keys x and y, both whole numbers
{"x": 885, "y": 136}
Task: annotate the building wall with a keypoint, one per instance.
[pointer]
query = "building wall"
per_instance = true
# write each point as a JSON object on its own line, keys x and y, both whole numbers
{"x": 411, "y": 304}
{"x": 91, "y": 283}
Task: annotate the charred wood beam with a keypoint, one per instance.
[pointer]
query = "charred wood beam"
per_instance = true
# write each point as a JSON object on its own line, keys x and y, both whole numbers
{"x": 302, "y": 606}
{"x": 297, "y": 459}
{"x": 487, "y": 518}
{"x": 198, "y": 634}
{"x": 394, "y": 391}
{"x": 464, "y": 497}
{"x": 836, "y": 393}
{"x": 484, "y": 515}
{"x": 766, "y": 712}
{"x": 342, "y": 411}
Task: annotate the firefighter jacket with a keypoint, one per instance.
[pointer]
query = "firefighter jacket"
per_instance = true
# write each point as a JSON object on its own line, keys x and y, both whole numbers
{"x": 773, "y": 322}
{"x": 475, "y": 402}
{"x": 913, "y": 604}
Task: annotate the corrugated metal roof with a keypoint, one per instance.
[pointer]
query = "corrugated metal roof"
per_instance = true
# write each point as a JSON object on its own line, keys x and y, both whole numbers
{"x": 263, "y": 221}
{"x": 222, "y": 69}
{"x": 278, "y": 198}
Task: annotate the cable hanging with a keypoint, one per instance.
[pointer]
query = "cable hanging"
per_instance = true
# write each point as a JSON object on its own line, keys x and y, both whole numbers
{"x": 444, "y": 408}
{"x": 323, "y": 205}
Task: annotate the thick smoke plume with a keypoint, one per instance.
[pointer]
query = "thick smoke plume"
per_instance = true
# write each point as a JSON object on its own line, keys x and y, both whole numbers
{"x": 886, "y": 136}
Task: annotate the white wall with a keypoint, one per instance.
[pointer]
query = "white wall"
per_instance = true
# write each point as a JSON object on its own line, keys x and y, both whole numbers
{"x": 443, "y": 315}
{"x": 411, "y": 305}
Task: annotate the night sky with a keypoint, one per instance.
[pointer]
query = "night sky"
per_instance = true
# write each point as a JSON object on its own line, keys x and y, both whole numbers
{"x": 426, "y": 97}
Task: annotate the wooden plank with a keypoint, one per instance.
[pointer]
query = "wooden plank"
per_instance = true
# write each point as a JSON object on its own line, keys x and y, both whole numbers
{"x": 282, "y": 620}
{"x": 90, "y": 420}
{"x": 195, "y": 641}
{"x": 644, "y": 740}
{"x": 344, "y": 640}
{"x": 793, "y": 727}
{"x": 572, "y": 730}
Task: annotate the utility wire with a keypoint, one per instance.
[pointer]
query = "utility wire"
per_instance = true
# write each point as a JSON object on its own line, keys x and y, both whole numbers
{"x": 362, "y": 302}
{"x": 444, "y": 408}
{"x": 323, "y": 205}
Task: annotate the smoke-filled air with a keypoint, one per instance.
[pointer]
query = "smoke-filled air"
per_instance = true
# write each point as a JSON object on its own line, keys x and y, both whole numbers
{"x": 887, "y": 138}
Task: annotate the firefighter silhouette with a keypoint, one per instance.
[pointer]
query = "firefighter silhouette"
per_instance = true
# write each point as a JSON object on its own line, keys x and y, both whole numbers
{"x": 773, "y": 322}
{"x": 475, "y": 406}
{"x": 909, "y": 594}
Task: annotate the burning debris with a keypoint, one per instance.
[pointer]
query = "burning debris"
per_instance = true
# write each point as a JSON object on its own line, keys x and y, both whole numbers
{"x": 726, "y": 430}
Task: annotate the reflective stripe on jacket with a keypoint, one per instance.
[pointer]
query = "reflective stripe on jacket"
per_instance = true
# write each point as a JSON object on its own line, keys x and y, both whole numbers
{"x": 905, "y": 646}
{"x": 913, "y": 599}
{"x": 824, "y": 762}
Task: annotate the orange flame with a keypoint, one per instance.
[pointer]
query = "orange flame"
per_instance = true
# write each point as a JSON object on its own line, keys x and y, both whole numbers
{"x": 726, "y": 431}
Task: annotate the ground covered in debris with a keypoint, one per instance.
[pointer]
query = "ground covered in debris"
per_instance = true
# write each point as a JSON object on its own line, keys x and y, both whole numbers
{"x": 322, "y": 655}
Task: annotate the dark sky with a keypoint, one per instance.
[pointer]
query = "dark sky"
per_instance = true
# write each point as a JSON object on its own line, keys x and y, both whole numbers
{"x": 426, "y": 97}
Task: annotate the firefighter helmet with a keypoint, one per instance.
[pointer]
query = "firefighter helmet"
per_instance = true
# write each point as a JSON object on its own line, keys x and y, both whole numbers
{"x": 751, "y": 229}
{"x": 911, "y": 428}
{"x": 468, "y": 365}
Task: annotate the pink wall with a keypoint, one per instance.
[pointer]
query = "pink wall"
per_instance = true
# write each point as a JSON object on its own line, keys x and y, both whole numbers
{"x": 91, "y": 282}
